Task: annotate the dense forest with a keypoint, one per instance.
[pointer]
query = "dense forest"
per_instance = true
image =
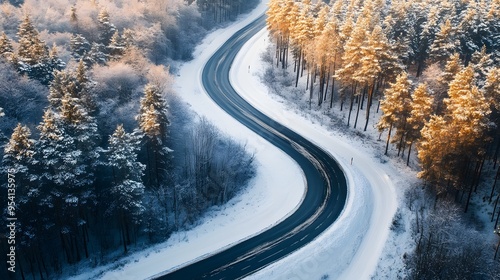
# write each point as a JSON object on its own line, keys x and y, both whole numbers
{"x": 430, "y": 69}
{"x": 99, "y": 155}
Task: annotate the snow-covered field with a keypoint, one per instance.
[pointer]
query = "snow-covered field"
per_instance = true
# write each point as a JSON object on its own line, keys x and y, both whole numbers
{"x": 350, "y": 249}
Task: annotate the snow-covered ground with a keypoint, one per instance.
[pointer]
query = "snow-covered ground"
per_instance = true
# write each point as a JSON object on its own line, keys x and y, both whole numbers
{"x": 350, "y": 249}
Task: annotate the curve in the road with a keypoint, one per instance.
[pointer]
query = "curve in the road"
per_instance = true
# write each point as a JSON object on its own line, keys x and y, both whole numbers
{"x": 326, "y": 184}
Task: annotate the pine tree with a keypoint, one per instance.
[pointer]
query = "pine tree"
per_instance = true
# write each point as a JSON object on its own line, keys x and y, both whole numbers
{"x": 421, "y": 110}
{"x": 286, "y": 16}
{"x": 468, "y": 109}
{"x": 453, "y": 66}
{"x": 273, "y": 19}
{"x": 19, "y": 160}
{"x": 395, "y": 109}
{"x": 433, "y": 149}
{"x": 127, "y": 188}
{"x": 482, "y": 63}
{"x": 31, "y": 49}
{"x": 373, "y": 52}
{"x": 6, "y": 48}
{"x": 153, "y": 122}
{"x": 106, "y": 29}
{"x": 55, "y": 63}
{"x": 491, "y": 87}
{"x": 34, "y": 58}
{"x": 493, "y": 27}
{"x": 96, "y": 55}
{"x": 79, "y": 46}
{"x": 444, "y": 44}
{"x": 116, "y": 47}
{"x": 18, "y": 155}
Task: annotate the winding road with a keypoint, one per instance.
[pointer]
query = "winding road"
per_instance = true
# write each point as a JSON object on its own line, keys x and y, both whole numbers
{"x": 326, "y": 184}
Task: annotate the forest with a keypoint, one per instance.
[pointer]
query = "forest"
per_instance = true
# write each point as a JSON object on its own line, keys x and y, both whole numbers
{"x": 430, "y": 71}
{"x": 100, "y": 157}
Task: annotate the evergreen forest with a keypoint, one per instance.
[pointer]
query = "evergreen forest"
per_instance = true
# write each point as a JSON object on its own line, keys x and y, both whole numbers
{"x": 103, "y": 156}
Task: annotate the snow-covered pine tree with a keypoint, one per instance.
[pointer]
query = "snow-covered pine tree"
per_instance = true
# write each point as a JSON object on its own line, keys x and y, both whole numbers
{"x": 153, "y": 122}
{"x": 396, "y": 109}
{"x": 116, "y": 47}
{"x": 433, "y": 148}
{"x": 106, "y": 28}
{"x": 451, "y": 69}
{"x": 491, "y": 87}
{"x": 19, "y": 157}
{"x": 54, "y": 62}
{"x": 19, "y": 160}
{"x": 285, "y": 16}
{"x": 96, "y": 55}
{"x": 328, "y": 44}
{"x": 372, "y": 51}
{"x": 34, "y": 58}
{"x": 320, "y": 51}
{"x": 127, "y": 188}
{"x": 445, "y": 43}
{"x": 6, "y": 48}
{"x": 79, "y": 46}
{"x": 421, "y": 111}
{"x": 468, "y": 110}
{"x": 482, "y": 63}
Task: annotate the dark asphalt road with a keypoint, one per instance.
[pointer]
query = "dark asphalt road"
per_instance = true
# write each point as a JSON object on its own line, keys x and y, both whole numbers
{"x": 326, "y": 184}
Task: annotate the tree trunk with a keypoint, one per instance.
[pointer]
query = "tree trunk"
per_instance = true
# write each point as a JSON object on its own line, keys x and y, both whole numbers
{"x": 298, "y": 68}
{"x": 498, "y": 217}
{"x": 409, "y": 153}
{"x": 327, "y": 78}
{"x": 494, "y": 184}
{"x": 365, "y": 89}
{"x": 333, "y": 81}
{"x": 122, "y": 222}
{"x": 468, "y": 197}
{"x": 350, "y": 109}
{"x": 357, "y": 112}
{"x": 368, "y": 105}
{"x": 477, "y": 175}
{"x": 495, "y": 208}
{"x": 311, "y": 87}
{"x": 496, "y": 250}
{"x": 388, "y": 139}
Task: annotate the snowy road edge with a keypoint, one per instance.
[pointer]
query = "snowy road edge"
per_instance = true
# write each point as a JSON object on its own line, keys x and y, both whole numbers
{"x": 364, "y": 260}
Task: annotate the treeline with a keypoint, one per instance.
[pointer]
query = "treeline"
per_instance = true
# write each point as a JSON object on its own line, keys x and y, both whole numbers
{"x": 103, "y": 153}
{"x": 431, "y": 65}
